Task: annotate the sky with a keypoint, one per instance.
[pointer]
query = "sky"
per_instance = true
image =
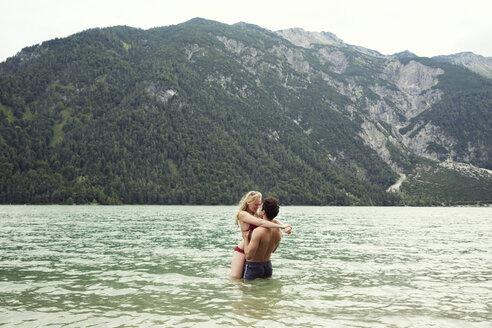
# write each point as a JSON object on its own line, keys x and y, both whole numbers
{"x": 425, "y": 27}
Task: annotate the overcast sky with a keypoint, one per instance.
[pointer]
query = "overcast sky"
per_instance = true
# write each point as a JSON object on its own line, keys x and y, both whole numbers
{"x": 425, "y": 27}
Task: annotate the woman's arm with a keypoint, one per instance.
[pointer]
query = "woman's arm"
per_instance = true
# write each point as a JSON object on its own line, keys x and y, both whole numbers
{"x": 287, "y": 230}
{"x": 248, "y": 218}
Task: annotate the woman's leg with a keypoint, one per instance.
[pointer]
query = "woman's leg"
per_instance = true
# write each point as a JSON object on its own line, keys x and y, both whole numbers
{"x": 237, "y": 263}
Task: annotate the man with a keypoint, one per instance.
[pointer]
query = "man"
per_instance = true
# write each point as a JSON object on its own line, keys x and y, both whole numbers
{"x": 262, "y": 244}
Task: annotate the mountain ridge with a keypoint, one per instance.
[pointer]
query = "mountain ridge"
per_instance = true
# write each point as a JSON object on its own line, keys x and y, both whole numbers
{"x": 199, "y": 112}
{"x": 475, "y": 62}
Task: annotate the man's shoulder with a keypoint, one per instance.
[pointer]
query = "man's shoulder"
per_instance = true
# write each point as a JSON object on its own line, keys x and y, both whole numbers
{"x": 264, "y": 231}
{"x": 260, "y": 230}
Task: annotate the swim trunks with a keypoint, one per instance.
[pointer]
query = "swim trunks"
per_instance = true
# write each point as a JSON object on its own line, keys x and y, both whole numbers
{"x": 253, "y": 270}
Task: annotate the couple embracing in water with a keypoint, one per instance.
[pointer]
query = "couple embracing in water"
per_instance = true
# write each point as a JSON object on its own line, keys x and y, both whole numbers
{"x": 261, "y": 236}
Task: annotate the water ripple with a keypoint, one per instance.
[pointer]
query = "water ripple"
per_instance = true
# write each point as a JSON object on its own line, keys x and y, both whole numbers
{"x": 148, "y": 266}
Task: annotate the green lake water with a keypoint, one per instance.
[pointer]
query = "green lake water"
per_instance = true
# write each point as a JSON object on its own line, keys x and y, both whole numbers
{"x": 167, "y": 266}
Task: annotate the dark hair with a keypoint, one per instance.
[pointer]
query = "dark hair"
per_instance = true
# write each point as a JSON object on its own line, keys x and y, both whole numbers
{"x": 270, "y": 206}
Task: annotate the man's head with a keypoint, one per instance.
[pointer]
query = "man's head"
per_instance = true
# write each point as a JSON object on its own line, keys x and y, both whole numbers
{"x": 270, "y": 206}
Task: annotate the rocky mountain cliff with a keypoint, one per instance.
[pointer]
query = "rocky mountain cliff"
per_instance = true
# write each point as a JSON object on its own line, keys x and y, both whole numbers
{"x": 413, "y": 93}
{"x": 404, "y": 87}
{"x": 202, "y": 111}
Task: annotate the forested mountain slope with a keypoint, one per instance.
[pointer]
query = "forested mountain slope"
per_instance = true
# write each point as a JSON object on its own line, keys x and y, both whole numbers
{"x": 200, "y": 112}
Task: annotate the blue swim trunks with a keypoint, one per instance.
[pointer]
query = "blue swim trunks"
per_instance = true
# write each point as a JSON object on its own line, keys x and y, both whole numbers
{"x": 253, "y": 270}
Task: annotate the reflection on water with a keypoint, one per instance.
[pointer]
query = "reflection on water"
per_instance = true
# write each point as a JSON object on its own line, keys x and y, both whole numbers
{"x": 149, "y": 266}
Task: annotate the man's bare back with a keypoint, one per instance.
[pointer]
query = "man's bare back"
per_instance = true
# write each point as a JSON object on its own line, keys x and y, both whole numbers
{"x": 267, "y": 242}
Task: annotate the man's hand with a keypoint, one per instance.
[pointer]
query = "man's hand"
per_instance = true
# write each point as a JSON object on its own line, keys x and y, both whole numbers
{"x": 245, "y": 234}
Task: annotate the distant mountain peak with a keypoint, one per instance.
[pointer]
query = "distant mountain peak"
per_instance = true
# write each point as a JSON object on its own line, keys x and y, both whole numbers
{"x": 306, "y": 39}
{"x": 403, "y": 54}
{"x": 476, "y": 63}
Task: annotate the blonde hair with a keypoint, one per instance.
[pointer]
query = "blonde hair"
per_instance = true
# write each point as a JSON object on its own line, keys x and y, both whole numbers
{"x": 247, "y": 199}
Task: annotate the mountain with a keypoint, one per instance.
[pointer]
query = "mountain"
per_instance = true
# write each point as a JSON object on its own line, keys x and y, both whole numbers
{"x": 307, "y": 39}
{"x": 402, "y": 55}
{"x": 200, "y": 112}
{"x": 476, "y": 63}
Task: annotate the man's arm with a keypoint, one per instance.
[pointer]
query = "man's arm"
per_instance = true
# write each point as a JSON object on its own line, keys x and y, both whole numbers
{"x": 250, "y": 247}
{"x": 278, "y": 242}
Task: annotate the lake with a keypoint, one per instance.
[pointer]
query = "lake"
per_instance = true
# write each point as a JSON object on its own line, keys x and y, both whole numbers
{"x": 167, "y": 266}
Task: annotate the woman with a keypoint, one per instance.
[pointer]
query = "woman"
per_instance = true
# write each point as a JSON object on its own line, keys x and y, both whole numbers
{"x": 247, "y": 221}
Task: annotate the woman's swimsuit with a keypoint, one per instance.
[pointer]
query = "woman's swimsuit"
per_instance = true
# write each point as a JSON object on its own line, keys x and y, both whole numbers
{"x": 251, "y": 228}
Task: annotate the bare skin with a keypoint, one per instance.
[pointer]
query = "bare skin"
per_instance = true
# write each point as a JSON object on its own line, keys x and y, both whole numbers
{"x": 263, "y": 243}
{"x": 245, "y": 219}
